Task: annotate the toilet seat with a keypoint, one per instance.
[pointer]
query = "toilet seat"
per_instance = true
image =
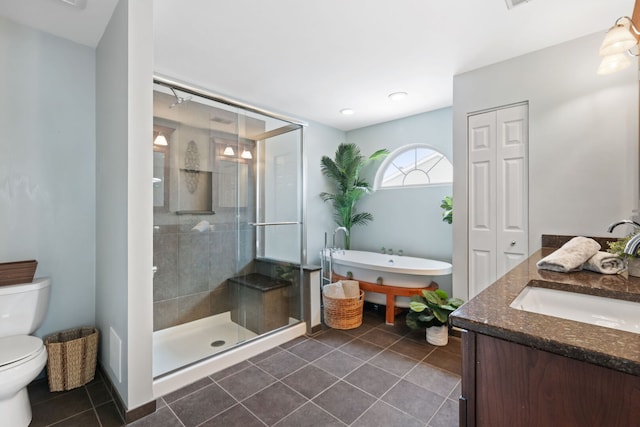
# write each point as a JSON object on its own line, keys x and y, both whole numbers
{"x": 19, "y": 349}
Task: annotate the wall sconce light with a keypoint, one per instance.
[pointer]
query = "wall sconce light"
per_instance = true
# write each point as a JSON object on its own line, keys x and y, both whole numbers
{"x": 228, "y": 151}
{"x": 160, "y": 140}
{"x": 617, "y": 44}
{"x": 246, "y": 154}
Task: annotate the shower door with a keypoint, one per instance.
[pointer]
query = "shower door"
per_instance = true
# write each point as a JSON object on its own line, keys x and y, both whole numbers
{"x": 227, "y": 225}
{"x": 270, "y": 297}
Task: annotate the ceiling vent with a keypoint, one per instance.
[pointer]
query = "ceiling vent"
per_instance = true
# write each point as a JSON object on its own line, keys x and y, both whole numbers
{"x": 513, "y": 3}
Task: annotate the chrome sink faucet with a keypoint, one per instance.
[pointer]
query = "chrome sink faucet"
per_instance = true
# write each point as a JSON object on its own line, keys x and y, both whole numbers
{"x": 624, "y": 221}
{"x": 632, "y": 246}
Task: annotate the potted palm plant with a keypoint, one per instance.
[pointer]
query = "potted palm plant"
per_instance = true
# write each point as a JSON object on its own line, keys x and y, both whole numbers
{"x": 344, "y": 173}
{"x": 431, "y": 310}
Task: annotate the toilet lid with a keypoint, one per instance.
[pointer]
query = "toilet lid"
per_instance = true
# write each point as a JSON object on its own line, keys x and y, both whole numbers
{"x": 18, "y": 347}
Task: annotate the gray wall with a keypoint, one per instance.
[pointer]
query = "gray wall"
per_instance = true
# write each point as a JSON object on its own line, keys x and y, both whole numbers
{"x": 583, "y": 141}
{"x": 47, "y": 166}
{"x": 319, "y": 140}
{"x": 123, "y": 199}
{"x": 410, "y": 218}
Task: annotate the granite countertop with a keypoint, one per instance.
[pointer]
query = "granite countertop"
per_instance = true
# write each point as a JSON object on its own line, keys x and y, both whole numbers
{"x": 489, "y": 313}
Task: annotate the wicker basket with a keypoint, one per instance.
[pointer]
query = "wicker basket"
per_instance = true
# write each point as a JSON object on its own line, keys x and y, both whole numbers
{"x": 14, "y": 273}
{"x": 343, "y": 313}
{"x": 72, "y": 358}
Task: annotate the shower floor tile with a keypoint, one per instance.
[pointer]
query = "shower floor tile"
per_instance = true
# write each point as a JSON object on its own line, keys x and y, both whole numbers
{"x": 181, "y": 345}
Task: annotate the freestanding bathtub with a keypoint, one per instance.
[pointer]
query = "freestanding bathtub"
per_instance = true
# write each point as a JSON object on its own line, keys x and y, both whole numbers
{"x": 395, "y": 270}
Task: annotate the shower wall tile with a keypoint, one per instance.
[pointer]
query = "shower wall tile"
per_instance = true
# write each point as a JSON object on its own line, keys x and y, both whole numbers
{"x": 165, "y": 258}
{"x": 223, "y": 243}
{"x": 193, "y": 263}
{"x": 193, "y": 307}
{"x": 165, "y": 314}
{"x": 220, "y": 299}
{"x": 222, "y": 247}
{"x": 219, "y": 274}
{"x": 165, "y": 226}
{"x": 247, "y": 247}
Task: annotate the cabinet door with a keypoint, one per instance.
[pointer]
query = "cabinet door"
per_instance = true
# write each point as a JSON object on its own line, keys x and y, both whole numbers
{"x": 519, "y": 386}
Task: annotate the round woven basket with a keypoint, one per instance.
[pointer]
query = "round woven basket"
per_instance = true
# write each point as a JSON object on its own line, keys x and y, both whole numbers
{"x": 343, "y": 313}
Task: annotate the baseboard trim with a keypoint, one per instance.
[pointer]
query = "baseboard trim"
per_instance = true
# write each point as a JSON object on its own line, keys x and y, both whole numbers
{"x": 128, "y": 415}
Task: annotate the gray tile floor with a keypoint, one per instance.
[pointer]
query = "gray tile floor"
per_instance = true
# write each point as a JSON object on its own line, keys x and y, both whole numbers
{"x": 375, "y": 375}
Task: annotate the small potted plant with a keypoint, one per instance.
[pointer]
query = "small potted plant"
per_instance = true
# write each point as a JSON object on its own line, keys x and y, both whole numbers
{"x": 431, "y": 310}
{"x": 632, "y": 260}
{"x": 447, "y": 209}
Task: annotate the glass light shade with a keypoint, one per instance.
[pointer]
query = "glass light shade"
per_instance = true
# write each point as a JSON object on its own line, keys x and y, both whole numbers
{"x": 160, "y": 140}
{"x": 612, "y": 63}
{"x": 228, "y": 151}
{"x": 246, "y": 154}
{"x": 618, "y": 40}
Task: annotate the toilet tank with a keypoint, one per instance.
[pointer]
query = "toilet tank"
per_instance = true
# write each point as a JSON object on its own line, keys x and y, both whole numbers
{"x": 23, "y": 307}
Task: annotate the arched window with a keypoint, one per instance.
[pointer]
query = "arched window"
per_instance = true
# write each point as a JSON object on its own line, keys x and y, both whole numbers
{"x": 414, "y": 165}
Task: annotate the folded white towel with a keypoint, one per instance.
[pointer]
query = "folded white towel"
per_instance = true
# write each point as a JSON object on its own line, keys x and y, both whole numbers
{"x": 351, "y": 288}
{"x": 333, "y": 290}
{"x": 571, "y": 256}
{"x": 605, "y": 263}
{"x": 202, "y": 226}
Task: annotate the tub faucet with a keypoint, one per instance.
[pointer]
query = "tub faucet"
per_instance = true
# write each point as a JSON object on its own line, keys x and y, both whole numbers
{"x": 346, "y": 233}
{"x": 624, "y": 221}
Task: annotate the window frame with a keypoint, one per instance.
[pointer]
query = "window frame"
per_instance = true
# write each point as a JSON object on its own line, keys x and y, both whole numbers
{"x": 388, "y": 160}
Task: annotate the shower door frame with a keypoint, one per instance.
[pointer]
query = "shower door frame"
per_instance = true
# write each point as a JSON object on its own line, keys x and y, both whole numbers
{"x": 292, "y": 124}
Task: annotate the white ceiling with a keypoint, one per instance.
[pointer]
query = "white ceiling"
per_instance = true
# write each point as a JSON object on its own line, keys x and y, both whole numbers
{"x": 309, "y": 59}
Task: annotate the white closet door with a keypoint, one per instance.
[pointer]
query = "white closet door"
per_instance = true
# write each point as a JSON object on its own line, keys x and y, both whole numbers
{"x": 513, "y": 188}
{"x": 482, "y": 201}
{"x": 498, "y": 194}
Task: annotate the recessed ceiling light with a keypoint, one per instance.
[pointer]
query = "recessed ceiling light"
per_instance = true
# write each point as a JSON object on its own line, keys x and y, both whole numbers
{"x": 347, "y": 111}
{"x": 513, "y": 3}
{"x": 78, "y": 4}
{"x": 397, "y": 96}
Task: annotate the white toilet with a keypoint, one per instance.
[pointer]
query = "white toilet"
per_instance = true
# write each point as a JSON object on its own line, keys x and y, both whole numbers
{"x": 22, "y": 357}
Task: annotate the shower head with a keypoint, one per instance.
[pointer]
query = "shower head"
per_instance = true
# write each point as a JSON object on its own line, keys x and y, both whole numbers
{"x": 179, "y": 99}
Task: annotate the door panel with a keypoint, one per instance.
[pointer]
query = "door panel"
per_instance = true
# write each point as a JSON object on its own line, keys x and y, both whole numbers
{"x": 498, "y": 194}
{"x": 512, "y": 213}
{"x": 482, "y": 201}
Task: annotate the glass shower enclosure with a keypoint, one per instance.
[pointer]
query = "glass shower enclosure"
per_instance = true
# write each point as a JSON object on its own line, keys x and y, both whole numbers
{"x": 228, "y": 224}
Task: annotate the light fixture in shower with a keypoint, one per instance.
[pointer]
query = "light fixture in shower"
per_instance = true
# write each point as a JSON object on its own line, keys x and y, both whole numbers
{"x": 228, "y": 151}
{"x": 246, "y": 154}
{"x": 160, "y": 140}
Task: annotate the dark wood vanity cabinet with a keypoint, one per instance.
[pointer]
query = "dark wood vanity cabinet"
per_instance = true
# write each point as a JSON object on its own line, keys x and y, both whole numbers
{"x": 509, "y": 384}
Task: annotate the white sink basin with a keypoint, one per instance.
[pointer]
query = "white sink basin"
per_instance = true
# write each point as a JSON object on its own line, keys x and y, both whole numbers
{"x": 600, "y": 311}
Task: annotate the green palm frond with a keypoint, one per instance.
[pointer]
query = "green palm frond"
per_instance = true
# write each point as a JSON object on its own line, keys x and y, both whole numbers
{"x": 344, "y": 171}
{"x": 361, "y": 218}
